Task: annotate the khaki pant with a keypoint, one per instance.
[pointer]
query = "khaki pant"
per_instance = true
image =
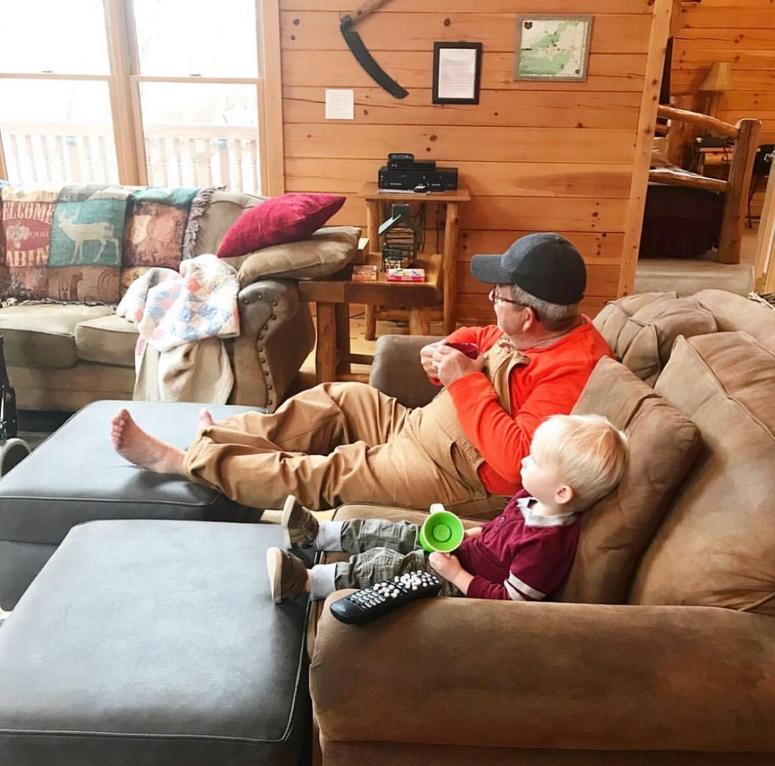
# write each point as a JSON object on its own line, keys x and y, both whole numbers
{"x": 335, "y": 443}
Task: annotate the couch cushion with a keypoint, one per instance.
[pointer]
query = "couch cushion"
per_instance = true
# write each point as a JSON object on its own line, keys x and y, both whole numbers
{"x": 224, "y": 209}
{"x": 286, "y": 218}
{"x": 43, "y": 334}
{"x": 616, "y": 530}
{"x": 716, "y": 546}
{"x": 641, "y": 329}
{"x": 736, "y": 312}
{"x": 327, "y": 251}
{"x": 108, "y": 339}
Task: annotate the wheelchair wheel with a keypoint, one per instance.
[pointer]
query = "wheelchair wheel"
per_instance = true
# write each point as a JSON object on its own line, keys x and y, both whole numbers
{"x": 12, "y": 452}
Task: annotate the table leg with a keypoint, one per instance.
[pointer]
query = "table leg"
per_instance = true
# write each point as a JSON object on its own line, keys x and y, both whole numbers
{"x": 342, "y": 319}
{"x": 370, "y": 324}
{"x": 419, "y": 320}
{"x": 449, "y": 265}
{"x": 373, "y": 213}
{"x": 325, "y": 352}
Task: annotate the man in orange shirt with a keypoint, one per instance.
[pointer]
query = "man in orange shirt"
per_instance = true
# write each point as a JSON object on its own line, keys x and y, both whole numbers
{"x": 348, "y": 442}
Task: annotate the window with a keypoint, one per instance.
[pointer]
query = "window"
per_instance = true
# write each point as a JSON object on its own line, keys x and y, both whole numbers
{"x": 55, "y": 118}
{"x": 164, "y": 92}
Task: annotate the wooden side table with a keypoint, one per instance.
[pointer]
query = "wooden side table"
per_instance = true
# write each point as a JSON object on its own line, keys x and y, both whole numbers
{"x": 332, "y": 298}
{"x": 378, "y": 209}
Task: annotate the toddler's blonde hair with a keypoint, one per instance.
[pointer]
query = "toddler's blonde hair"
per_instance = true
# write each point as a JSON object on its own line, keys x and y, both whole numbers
{"x": 587, "y": 451}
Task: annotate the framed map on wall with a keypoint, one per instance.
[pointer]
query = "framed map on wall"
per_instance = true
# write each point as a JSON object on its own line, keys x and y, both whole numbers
{"x": 553, "y": 48}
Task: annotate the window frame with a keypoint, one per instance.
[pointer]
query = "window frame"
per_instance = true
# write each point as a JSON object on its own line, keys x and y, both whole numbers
{"x": 125, "y": 78}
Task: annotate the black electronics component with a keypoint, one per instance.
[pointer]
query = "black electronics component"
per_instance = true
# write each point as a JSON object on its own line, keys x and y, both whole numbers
{"x": 399, "y": 157}
{"x": 386, "y": 596}
{"x": 406, "y": 178}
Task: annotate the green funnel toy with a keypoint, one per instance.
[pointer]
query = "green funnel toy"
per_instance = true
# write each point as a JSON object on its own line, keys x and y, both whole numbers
{"x": 442, "y": 531}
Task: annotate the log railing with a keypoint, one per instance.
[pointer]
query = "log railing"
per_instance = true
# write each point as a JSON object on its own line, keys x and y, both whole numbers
{"x": 175, "y": 155}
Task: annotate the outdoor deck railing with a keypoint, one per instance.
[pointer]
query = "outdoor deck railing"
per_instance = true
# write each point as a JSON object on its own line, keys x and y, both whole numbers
{"x": 190, "y": 155}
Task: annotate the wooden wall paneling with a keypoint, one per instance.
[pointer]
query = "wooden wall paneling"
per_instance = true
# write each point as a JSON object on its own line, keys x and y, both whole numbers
{"x": 536, "y": 156}
{"x": 741, "y": 33}
{"x": 645, "y": 137}
{"x": 497, "y": 108}
{"x": 642, "y": 7}
{"x": 603, "y": 247}
{"x": 520, "y": 214}
{"x": 729, "y": 14}
{"x": 448, "y": 143}
{"x": 319, "y": 30}
{"x": 617, "y": 72}
{"x": 527, "y": 179}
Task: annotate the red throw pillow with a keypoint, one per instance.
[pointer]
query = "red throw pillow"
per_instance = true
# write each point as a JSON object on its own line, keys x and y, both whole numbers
{"x": 287, "y": 218}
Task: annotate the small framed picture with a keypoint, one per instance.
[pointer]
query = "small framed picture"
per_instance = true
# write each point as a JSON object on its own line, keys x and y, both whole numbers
{"x": 456, "y": 73}
{"x": 552, "y": 48}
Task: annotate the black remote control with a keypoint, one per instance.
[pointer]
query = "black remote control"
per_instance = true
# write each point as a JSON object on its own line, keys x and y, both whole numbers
{"x": 369, "y": 603}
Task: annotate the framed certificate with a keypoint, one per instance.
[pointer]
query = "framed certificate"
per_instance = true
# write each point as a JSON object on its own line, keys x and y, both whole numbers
{"x": 456, "y": 73}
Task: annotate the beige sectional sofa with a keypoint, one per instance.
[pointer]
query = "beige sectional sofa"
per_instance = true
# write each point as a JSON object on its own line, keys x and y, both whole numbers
{"x": 63, "y": 356}
{"x": 660, "y": 647}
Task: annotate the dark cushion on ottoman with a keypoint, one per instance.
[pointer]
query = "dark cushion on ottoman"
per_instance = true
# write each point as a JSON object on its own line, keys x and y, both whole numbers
{"x": 154, "y": 642}
{"x": 76, "y": 476}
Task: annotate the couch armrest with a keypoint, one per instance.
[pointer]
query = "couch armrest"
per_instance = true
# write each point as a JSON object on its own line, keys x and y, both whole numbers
{"x": 276, "y": 334}
{"x": 567, "y": 676}
{"x": 396, "y": 369}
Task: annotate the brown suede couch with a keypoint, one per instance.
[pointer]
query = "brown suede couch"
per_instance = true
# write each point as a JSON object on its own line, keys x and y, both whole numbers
{"x": 660, "y": 648}
{"x": 64, "y": 356}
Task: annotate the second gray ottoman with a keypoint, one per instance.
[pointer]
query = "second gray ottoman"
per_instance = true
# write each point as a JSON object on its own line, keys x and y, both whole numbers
{"x": 155, "y": 642}
{"x": 76, "y": 476}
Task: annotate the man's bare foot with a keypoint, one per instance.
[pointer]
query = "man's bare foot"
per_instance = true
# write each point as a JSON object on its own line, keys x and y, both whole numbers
{"x": 140, "y": 448}
{"x": 205, "y": 418}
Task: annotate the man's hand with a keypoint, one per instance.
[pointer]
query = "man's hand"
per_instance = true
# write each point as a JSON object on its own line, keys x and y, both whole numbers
{"x": 427, "y": 362}
{"x": 473, "y": 532}
{"x": 446, "y": 564}
{"x": 451, "y": 364}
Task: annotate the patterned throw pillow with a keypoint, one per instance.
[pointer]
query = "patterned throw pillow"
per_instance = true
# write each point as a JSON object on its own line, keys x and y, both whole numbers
{"x": 287, "y": 218}
{"x": 62, "y": 242}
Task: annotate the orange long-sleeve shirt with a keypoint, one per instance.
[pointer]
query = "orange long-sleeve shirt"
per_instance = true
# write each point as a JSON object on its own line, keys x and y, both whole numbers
{"x": 549, "y": 384}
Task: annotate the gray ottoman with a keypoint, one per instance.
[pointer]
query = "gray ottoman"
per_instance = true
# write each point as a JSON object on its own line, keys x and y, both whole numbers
{"x": 154, "y": 642}
{"x": 76, "y": 476}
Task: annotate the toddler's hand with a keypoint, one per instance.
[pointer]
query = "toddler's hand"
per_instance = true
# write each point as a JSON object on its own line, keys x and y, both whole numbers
{"x": 473, "y": 532}
{"x": 446, "y": 564}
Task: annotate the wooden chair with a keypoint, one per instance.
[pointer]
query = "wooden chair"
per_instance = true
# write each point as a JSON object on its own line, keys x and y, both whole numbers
{"x": 734, "y": 190}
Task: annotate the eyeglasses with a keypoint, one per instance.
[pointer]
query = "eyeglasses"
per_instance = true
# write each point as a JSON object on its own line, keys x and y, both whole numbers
{"x": 496, "y": 297}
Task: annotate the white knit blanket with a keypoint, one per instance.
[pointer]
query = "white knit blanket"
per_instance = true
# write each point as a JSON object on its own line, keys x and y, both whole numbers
{"x": 182, "y": 320}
